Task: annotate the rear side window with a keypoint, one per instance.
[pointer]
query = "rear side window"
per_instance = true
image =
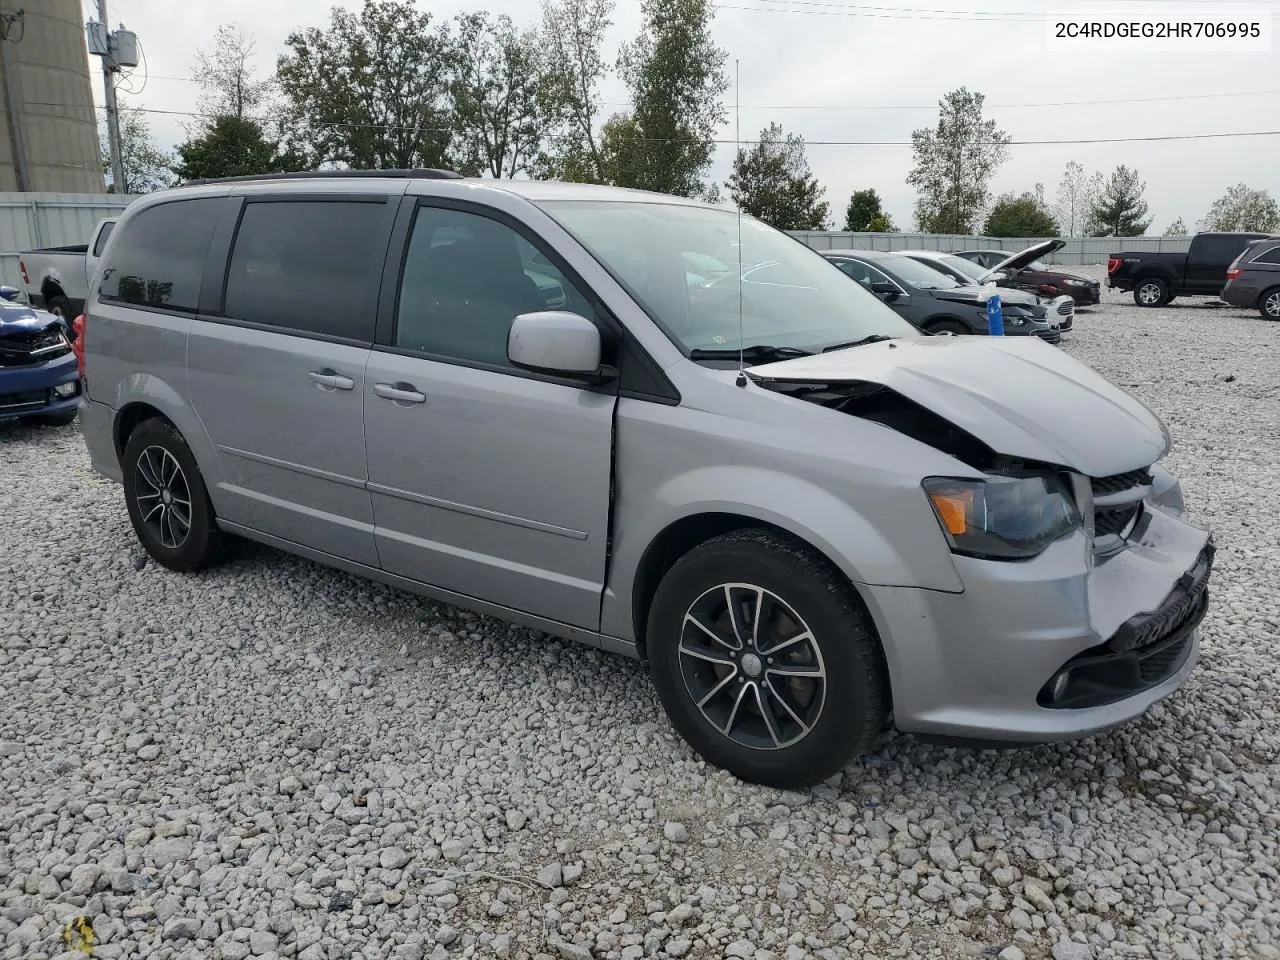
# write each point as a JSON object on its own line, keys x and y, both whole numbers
{"x": 311, "y": 267}
{"x": 1223, "y": 250}
{"x": 102, "y": 238}
{"x": 1268, "y": 256}
{"x": 158, "y": 260}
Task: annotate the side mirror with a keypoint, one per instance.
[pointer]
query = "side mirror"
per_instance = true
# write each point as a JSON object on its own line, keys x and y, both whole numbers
{"x": 556, "y": 342}
{"x": 10, "y": 293}
{"x": 885, "y": 289}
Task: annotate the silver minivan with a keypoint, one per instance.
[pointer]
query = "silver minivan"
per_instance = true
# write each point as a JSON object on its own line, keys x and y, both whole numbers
{"x": 562, "y": 405}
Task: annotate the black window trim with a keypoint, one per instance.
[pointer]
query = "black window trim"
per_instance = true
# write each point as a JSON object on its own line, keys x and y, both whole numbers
{"x": 190, "y": 313}
{"x": 216, "y": 310}
{"x": 612, "y": 329}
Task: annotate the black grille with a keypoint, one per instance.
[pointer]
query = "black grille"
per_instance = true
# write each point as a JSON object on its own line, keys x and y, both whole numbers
{"x": 1107, "y": 522}
{"x": 27, "y": 398}
{"x": 1185, "y": 606}
{"x": 1121, "y": 481}
{"x": 1065, "y": 308}
{"x": 1163, "y": 660}
{"x": 26, "y": 349}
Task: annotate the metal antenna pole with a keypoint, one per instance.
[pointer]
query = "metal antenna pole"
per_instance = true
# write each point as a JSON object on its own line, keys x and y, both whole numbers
{"x": 113, "y": 113}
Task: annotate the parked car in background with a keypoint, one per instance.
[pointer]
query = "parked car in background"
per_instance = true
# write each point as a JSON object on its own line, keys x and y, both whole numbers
{"x": 967, "y": 272}
{"x": 808, "y": 520}
{"x": 933, "y": 301}
{"x": 1253, "y": 279}
{"x": 1025, "y": 270}
{"x": 57, "y": 278}
{"x": 1157, "y": 278}
{"x": 38, "y": 372}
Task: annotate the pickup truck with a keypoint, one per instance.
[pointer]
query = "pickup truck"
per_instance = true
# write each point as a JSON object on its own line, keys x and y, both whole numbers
{"x": 57, "y": 278}
{"x": 1157, "y": 278}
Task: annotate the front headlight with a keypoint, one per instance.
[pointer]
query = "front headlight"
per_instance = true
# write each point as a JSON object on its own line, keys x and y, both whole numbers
{"x": 1076, "y": 283}
{"x": 1003, "y": 517}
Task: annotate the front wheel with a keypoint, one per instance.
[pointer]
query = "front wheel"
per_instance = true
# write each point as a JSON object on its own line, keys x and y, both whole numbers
{"x": 953, "y": 327}
{"x": 1269, "y": 304}
{"x": 765, "y": 659}
{"x": 1151, "y": 292}
{"x": 167, "y": 500}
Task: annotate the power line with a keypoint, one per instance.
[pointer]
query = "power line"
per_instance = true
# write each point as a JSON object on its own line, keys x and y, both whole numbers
{"x": 808, "y": 143}
{"x": 824, "y": 8}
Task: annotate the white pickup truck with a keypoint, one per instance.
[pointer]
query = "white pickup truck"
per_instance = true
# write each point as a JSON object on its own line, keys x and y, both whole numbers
{"x": 57, "y": 278}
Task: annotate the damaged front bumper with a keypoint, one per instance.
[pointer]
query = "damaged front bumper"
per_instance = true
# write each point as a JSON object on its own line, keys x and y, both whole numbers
{"x": 1054, "y": 648}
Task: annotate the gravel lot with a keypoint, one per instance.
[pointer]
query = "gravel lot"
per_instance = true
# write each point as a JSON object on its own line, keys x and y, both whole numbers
{"x": 276, "y": 759}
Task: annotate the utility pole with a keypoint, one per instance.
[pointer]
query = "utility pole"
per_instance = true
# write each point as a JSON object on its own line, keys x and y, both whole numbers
{"x": 13, "y": 100}
{"x": 109, "y": 68}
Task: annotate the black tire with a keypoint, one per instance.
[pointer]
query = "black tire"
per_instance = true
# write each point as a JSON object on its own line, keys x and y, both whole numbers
{"x": 60, "y": 306}
{"x": 1151, "y": 292}
{"x": 202, "y": 544}
{"x": 949, "y": 326}
{"x": 1269, "y": 304}
{"x": 832, "y": 719}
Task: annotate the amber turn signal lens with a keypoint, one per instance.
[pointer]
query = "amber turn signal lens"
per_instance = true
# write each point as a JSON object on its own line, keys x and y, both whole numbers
{"x": 954, "y": 508}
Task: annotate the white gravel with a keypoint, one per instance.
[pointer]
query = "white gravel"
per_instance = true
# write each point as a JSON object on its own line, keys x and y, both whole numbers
{"x": 278, "y": 760}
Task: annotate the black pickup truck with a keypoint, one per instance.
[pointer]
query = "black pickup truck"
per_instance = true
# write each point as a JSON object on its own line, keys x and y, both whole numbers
{"x": 1156, "y": 278}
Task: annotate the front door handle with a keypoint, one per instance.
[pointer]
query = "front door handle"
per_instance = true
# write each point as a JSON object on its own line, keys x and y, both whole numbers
{"x": 399, "y": 392}
{"x": 329, "y": 379}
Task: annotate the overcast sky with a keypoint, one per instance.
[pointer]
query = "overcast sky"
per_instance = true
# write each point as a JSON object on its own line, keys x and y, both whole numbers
{"x": 827, "y": 74}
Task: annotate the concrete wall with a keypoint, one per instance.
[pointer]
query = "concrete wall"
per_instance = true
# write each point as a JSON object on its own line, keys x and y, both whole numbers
{"x": 30, "y": 220}
{"x": 1079, "y": 251}
{"x": 50, "y": 69}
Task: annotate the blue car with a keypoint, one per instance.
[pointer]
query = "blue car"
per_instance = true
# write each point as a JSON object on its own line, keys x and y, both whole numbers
{"x": 39, "y": 372}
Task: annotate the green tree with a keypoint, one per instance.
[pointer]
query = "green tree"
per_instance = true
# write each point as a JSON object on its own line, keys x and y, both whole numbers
{"x": 572, "y": 38}
{"x": 1244, "y": 208}
{"x": 865, "y": 215}
{"x": 146, "y": 166}
{"x": 1120, "y": 209}
{"x": 1077, "y": 193}
{"x": 372, "y": 90}
{"x": 675, "y": 74}
{"x": 1176, "y": 229}
{"x": 499, "y": 100}
{"x": 772, "y": 181}
{"x": 954, "y": 163}
{"x": 232, "y": 147}
{"x": 1022, "y": 215}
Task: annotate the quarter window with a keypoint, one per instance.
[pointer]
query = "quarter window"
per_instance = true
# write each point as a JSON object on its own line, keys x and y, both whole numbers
{"x": 1268, "y": 256}
{"x": 309, "y": 266}
{"x": 159, "y": 259}
{"x": 466, "y": 277}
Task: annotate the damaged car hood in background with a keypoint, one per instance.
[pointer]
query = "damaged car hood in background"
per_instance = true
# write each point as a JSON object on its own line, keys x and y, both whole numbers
{"x": 19, "y": 318}
{"x": 1020, "y": 397}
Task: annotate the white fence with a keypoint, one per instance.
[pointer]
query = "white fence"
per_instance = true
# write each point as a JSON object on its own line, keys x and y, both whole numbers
{"x": 1078, "y": 251}
{"x": 31, "y": 220}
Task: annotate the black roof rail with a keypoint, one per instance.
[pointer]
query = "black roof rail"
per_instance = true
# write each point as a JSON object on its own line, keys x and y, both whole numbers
{"x": 411, "y": 174}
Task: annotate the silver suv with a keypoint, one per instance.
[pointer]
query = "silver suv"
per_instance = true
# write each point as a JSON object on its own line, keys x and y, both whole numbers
{"x": 526, "y": 398}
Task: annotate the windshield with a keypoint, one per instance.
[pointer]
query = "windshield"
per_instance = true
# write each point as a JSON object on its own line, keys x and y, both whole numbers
{"x": 966, "y": 268}
{"x": 681, "y": 264}
{"x": 918, "y": 275}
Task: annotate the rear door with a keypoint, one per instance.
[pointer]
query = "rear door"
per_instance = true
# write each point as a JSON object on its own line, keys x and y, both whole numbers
{"x": 278, "y": 376}
{"x": 486, "y": 480}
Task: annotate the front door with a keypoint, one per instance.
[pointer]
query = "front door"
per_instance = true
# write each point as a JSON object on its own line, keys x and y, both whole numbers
{"x": 486, "y": 480}
{"x": 278, "y": 381}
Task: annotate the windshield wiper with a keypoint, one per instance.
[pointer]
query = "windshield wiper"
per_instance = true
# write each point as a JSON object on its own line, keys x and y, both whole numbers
{"x": 874, "y": 338}
{"x": 760, "y": 351}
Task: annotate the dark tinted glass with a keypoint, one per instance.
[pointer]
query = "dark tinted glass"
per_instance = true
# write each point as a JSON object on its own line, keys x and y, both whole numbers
{"x": 102, "y": 239}
{"x": 1220, "y": 249}
{"x": 1268, "y": 256}
{"x": 466, "y": 277}
{"x": 159, "y": 259}
{"x": 309, "y": 266}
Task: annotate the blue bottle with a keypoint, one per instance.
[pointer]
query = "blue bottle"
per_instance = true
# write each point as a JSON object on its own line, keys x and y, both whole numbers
{"x": 995, "y": 316}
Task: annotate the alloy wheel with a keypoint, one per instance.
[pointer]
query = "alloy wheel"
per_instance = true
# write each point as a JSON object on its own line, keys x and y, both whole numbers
{"x": 752, "y": 666}
{"x": 1272, "y": 306}
{"x": 1149, "y": 293}
{"x": 163, "y": 496}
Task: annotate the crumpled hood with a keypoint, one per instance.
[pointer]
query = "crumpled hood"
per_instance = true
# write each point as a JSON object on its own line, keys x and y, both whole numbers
{"x": 978, "y": 296}
{"x": 20, "y": 318}
{"x": 1019, "y": 396}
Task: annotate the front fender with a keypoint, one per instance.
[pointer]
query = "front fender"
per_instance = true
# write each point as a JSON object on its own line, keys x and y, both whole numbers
{"x": 799, "y": 506}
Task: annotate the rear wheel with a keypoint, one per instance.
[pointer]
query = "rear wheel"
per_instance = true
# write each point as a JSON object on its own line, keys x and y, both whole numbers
{"x": 1269, "y": 304}
{"x": 1151, "y": 292}
{"x": 167, "y": 500}
{"x": 60, "y": 306}
{"x": 765, "y": 659}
